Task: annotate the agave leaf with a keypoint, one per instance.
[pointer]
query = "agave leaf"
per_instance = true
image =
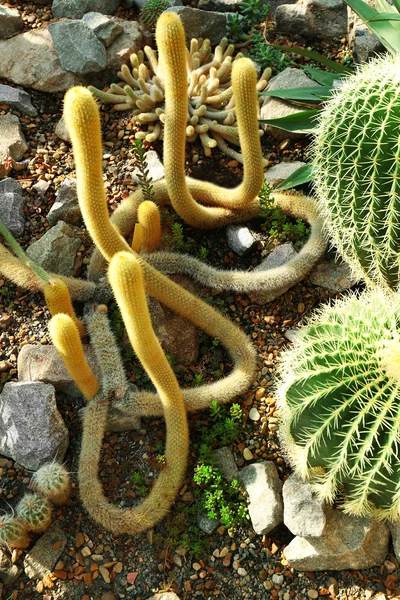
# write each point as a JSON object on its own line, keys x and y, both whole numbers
{"x": 383, "y": 6}
{"x": 323, "y": 77}
{"x": 300, "y": 122}
{"x": 397, "y": 5}
{"x": 385, "y": 17}
{"x": 383, "y": 30}
{"x": 334, "y": 66}
{"x": 301, "y": 175}
{"x": 312, "y": 93}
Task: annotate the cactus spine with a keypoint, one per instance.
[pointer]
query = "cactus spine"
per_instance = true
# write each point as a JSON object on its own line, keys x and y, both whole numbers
{"x": 13, "y": 534}
{"x": 34, "y": 512}
{"x": 356, "y": 169}
{"x": 53, "y": 481}
{"x": 339, "y": 403}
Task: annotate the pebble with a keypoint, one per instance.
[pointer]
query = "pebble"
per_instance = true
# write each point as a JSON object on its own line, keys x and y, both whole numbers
{"x": 247, "y": 454}
{"x": 254, "y": 415}
{"x": 313, "y": 594}
{"x": 242, "y": 572}
{"x": 277, "y": 578}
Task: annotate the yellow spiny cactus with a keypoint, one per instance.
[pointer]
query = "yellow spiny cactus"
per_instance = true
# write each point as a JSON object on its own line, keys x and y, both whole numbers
{"x": 149, "y": 218}
{"x": 126, "y": 280}
{"x": 59, "y": 301}
{"x": 65, "y": 337}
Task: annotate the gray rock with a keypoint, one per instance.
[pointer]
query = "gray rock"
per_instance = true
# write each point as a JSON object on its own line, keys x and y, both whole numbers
{"x": 66, "y": 205}
{"x": 303, "y": 514}
{"x": 12, "y": 140}
{"x": 362, "y": 41}
{"x": 240, "y": 239}
{"x": 264, "y": 489}
{"x": 276, "y": 174}
{"x": 105, "y": 29}
{"x": 11, "y": 185}
{"x": 274, "y": 108}
{"x": 278, "y": 257}
{"x": 78, "y": 8}
{"x": 44, "y": 555}
{"x": 31, "y": 60}
{"x": 220, "y": 5}
{"x": 43, "y": 363}
{"x": 292, "y": 335}
{"x": 199, "y": 23}
{"x": 32, "y": 431}
{"x": 333, "y": 275}
{"x": 9, "y": 572}
{"x": 10, "y": 22}
{"x": 347, "y": 542}
{"x": 18, "y": 99}
{"x": 207, "y": 525}
{"x": 154, "y": 166}
{"x": 273, "y": 5}
{"x": 61, "y": 131}
{"x": 56, "y": 250}
{"x": 131, "y": 40}
{"x": 41, "y": 187}
{"x": 12, "y": 212}
{"x": 294, "y": 18}
{"x": 78, "y": 48}
{"x": 225, "y": 461}
{"x": 395, "y": 532}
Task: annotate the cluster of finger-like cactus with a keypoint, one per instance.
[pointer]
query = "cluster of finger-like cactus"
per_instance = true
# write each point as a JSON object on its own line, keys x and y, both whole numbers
{"x": 340, "y": 388}
{"x": 211, "y": 113}
{"x": 34, "y": 511}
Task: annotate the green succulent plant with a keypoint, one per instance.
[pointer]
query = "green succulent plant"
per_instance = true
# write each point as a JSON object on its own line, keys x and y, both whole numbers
{"x": 339, "y": 403}
{"x": 356, "y": 170}
{"x": 151, "y": 10}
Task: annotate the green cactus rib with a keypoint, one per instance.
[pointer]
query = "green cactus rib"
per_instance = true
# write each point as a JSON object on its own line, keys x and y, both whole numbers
{"x": 356, "y": 169}
{"x": 339, "y": 401}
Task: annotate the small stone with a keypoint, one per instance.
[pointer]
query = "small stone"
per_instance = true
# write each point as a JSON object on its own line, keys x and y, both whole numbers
{"x": 105, "y": 29}
{"x": 312, "y": 594}
{"x": 61, "y": 131}
{"x": 242, "y": 572}
{"x": 66, "y": 205}
{"x": 260, "y": 393}
{"x": 254, "y": 415}
{"x": 277, "y": 578}
{"x": 240, "y": 239}
{"x": 389, "y": 566}
{"x": 154, "y": 167}
{"x": 12, "y": 212}
{"x": 56, "y": 250}
{"x": 247, "y": 454}
{"x": 224, "y": 460}
{"x": 18, "y": 99}
{"x": 207, "y": 525}
{"x": 12, "y": 140}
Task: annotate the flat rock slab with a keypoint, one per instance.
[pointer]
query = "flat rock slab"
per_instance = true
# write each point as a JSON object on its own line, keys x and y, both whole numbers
{"x": 79, "y": 49}
{"x": 18, "y": 99}
{"x": 303, "y": 514}
{"x": 43, "y": 557}
{"x": 43, "y": 363}
{"x": 56, "y": 250}
{"x": 264, "y": 489}
{"x": 348, "y": 542}
{"x": 78, "y": 8}
{"x": 32, "y": 430}
{"x": 332, "y": 275}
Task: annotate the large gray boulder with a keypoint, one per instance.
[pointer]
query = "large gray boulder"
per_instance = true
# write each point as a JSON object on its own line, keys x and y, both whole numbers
{"x": 105, "y": 29}
{"x": 56, "y": 250}
{"x": 17, "y": 99}
{"x": 200, "y": 23}
{"x": 264, "y": 489}
{"x": 274, "y": 108}
{"x": 347, "y": 542}
{"x": 32, "y": 431}
{"x": 10, "y": 22}
{"x": 79, "y": 49}
{"x": 78, "y": 8}
{"x": 303, "y": 513}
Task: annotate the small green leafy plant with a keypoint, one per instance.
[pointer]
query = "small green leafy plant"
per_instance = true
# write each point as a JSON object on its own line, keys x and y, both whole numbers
{"x": 143, "y": 175}
{"x": 240, "y": 26}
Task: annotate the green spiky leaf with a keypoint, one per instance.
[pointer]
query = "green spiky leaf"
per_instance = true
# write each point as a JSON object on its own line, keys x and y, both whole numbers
{"x": 312, "y": 93}
{"x": 384, "y": 31}
{"x": 301, "y": 176}
{"x": 300, "y": 122}
{"x": 331, "y": 64}
{"x": 323, "y": 77}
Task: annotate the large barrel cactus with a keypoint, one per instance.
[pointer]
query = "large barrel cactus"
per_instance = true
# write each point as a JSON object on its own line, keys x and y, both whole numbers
{"x": 339, "y": 401}
{"x": 356, "y": 170}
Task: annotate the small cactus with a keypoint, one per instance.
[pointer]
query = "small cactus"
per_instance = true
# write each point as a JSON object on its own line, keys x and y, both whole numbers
{"x": 339, "y": 402}
{"x": 12, "y": 533}
{"x": 34, "y": 512}
{"x": 53, "y": 481}
{"x": 356, "y": 169}
{"x": 151, "y": 10}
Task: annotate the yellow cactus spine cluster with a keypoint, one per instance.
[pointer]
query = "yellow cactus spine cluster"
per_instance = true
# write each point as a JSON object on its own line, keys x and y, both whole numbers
{"x": 58, "y": 300}
{"x": 126, "y": 280}
{"x": 65, "y": 337}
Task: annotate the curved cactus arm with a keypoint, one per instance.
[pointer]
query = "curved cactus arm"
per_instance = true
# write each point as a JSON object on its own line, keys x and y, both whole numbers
{"x": 339, "y": 403}
{"x": 126, "y": 281}
{"x": 58, "y": 300}
{"x": 65, "y": 337}
{"x": 149, "y": 217}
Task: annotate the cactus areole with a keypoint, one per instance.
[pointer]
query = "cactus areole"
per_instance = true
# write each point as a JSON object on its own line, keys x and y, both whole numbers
{"x": 340, "y": 403}
{"x": 356, "y": 167}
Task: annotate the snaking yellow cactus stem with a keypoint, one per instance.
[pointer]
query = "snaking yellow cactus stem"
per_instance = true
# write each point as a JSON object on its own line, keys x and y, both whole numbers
{"x": 65, "y": 337}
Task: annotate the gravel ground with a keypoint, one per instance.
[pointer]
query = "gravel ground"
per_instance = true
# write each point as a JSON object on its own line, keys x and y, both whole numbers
{"x": 95, "y": 564}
